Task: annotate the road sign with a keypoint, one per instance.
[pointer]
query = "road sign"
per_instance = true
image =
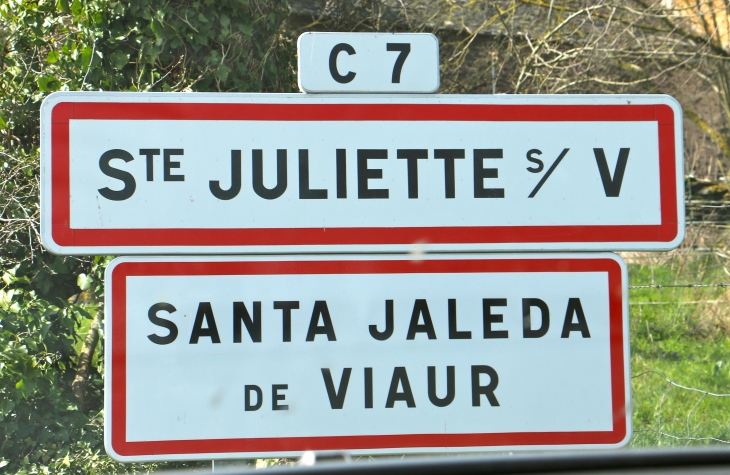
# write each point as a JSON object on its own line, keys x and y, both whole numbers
{"x": 368, "y": 62}
{"x": 226, "y": 357}
{"x": 244, "y": 173}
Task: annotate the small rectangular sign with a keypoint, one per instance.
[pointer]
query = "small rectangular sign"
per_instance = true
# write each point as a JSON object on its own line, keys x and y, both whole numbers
{"x": 368, "y": 62}
{"x": 147, "y": 173}
{"x": 232, "y": 358}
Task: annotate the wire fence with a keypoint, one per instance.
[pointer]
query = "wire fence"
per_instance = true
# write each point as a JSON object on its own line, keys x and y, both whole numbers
{"x": 677, "y": 286}
{"x": 680, "y": 334}
{"x": 685, "y": 438}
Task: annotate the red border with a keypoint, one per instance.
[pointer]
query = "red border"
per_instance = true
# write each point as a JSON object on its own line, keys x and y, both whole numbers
{"x": 66, "y": 236}
{"x": 297, "y": 444}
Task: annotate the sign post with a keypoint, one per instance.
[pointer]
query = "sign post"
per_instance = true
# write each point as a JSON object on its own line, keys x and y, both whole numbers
{"x": 232, "y": 358}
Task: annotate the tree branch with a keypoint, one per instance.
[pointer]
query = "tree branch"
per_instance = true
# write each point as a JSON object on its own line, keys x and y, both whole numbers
{"x": 81, "y": 381}
{"x": 715, "y": 135}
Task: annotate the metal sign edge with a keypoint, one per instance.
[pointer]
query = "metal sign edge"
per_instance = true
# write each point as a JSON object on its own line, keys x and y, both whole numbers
{"x": 587, "y": 99}
{"x": 357, "y": 91}
{"x": 108, "y": 350}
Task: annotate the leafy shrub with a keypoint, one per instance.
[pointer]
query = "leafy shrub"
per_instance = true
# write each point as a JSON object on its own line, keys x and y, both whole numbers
{"x": 47, "y": 302}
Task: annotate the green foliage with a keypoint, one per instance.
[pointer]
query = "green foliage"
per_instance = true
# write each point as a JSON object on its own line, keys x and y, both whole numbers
{"x": 46, "y": 301}
{"x": 40, "y": 424}
{"x": 139, "y": 45}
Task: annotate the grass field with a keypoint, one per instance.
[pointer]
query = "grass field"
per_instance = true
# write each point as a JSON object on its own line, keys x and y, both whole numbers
{"x": 681, "y": 335}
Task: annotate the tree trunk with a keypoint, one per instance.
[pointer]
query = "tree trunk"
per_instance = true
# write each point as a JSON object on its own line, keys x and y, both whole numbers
{"x": 81, "y": 381}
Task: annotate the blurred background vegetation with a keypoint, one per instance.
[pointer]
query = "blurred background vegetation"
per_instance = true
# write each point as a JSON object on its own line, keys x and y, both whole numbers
{"x": 50, "y": 362}
{"x": 51, "y": 335}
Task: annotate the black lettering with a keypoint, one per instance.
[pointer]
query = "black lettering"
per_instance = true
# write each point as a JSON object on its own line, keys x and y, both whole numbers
{"x": 286, "y": 307}
{"x": 420, "y": 307}
{"x": 368, "y": 388}
{"x": 305, "y": 193}
{"x": 405, "y": 49}
{"x": 575, "y": 308}
{"x": 480, "y": 173}
{"x": 534, "y": 160}
{"x": 337, "y": 398}
{"x": 150, "y": 154}
{"x": 490, "y": 318}
{"x": 168, "y": 164}
{"x": 129, "y": 184}
{"x": 413, "y": 156}
{"x": 448, "y": 156}
{"x": 341, "y": 172}
{"x": 549, "y": 172}
{"x": 247, "y": 397}
{"x": 321, "y": 310}
{"x": 454, "y": 333}
{"x": 527, "y": 331}
{"x": 477, "y": 390}
{"x": 400, "y": 378}
{"x": 161, "y": 322}
{"x": 364, "y": 174}
{"x": 450, "y": 387}
{"x": 276, "y": 397}
{"x": 253, "y": 325}
{"x": 333, "y": 63}
{"x": 612, "y": 186}
{"x": 232, "y": 192}
{"x": 388, "y": 332}
{"x": 205, "y": 312}
{"x": 258, "y": 175}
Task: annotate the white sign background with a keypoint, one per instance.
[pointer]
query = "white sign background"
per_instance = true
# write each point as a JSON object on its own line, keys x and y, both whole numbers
{"x": 208, "y": 158}
{"x": 549, "y": 388}
{"x": 571, "y": 210}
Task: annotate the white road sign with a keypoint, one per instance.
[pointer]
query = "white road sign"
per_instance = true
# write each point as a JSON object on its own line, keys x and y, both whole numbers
{"x": 368, "y": 62}
{"x": 151, "y": 173}
{"x": 226, "y": 357}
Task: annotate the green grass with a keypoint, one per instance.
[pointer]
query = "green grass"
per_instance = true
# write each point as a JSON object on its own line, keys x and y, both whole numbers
{"x": 683, "y": 334}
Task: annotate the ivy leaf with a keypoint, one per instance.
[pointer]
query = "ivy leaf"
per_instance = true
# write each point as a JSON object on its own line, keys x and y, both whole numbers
{"x": 7, "y": 406}
{"x": 48, "y": 83}
{"x": 157, "y": 28}
{"x": 76, "y": 8}
{"x": 52, "y": 57}
{"x": 247, "y": 29}
{"x": 118, "y": 59}
{"x": 222, "y": 72}
{"x": 86, "y": 56}
{"x": 84, "y": 281}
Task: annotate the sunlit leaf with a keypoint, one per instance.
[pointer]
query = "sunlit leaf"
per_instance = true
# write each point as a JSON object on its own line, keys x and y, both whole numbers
{"x": 84, "y": 281}
{"x": 52, "y": 57}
